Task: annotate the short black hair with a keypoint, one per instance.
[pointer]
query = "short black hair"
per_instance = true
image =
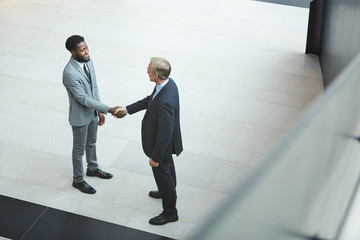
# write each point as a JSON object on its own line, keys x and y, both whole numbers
{"x": 73, "y": 41}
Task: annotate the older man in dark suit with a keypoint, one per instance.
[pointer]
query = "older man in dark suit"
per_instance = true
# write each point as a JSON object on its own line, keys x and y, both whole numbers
{"x": 161, "y": 136}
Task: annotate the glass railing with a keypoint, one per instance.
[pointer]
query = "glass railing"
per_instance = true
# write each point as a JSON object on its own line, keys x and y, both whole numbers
{"x": 304, "y": 188}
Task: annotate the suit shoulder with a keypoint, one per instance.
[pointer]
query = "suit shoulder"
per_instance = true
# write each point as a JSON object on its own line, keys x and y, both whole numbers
{"x": 172, "y": 83}
{"x": 68, "y": 67}
{"x": 70, "y": 73}
{"x": 173, "y": 89}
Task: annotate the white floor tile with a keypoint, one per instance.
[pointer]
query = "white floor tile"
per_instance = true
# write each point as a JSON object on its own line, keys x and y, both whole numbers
{"x": 105, "y": 211}
{"x": 214, "y": 129}
{"x": 197, "y": 205}
{"x": 257, "y": 159}
{"x": 135, "y": 194}
{"x": 133, "y": 159}
{"x": 54, "y": 198}
{"x": 230, "y": 154}
{"x": 190, "y": 230}
{"x": 257, "y": 138}
{"x": 229, "y": 176}
{"x": 283, "y": 99}
{"x": 193, "y": 146}
{"x": 196, "y": 170}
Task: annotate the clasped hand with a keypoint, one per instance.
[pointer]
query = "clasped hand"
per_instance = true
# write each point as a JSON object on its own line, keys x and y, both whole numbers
{"x": 118, "y": 111}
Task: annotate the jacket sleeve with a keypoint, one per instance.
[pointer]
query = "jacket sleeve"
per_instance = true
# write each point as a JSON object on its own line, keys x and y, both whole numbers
{"x": 165, "y": 128}
{"x": 76, "y": 89}
{"x": 138, "y": 106}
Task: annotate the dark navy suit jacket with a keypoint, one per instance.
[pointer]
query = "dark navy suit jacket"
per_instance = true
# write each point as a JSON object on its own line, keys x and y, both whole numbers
{"x": 160, "y": 129}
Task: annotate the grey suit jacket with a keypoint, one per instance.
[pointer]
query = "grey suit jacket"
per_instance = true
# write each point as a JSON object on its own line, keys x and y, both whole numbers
{"x": 83, "y": 98}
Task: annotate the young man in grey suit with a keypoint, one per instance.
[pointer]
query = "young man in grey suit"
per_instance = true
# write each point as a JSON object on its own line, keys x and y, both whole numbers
{"x": 86, "y": 112}
{"x": 161, "y": 136}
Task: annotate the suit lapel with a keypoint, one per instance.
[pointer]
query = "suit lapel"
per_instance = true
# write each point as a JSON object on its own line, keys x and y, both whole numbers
{"x": 159, "y": 94}
{"x": 78, "y": 68}
{"x": 157, "y": 97}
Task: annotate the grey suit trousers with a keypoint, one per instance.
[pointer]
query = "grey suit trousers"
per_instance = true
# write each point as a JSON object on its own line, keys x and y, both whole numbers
{"x": 84, "y": 139}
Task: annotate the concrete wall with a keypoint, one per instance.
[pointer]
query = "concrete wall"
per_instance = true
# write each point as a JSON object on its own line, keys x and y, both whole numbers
{"x": 340, "y": 35}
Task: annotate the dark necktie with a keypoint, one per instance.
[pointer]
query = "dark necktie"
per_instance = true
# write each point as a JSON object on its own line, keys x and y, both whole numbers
{"x": 152, "y": 95}
{"x": 87, "y": 72}
{"x": 89, "y": 77}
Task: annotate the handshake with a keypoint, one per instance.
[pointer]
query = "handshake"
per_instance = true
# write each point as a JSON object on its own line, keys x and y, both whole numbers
{"x": 118, "y": 111}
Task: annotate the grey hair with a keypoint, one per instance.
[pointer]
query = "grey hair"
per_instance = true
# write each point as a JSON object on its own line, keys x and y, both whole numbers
{"x": 161, "y": 67}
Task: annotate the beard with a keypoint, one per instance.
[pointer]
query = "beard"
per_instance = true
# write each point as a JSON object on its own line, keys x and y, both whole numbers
{"x": 81, "y": 59}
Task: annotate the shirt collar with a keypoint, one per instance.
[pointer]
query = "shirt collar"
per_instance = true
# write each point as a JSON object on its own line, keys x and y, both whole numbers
{"x": 81, "y": 64}
{"x": 160, "y": 86}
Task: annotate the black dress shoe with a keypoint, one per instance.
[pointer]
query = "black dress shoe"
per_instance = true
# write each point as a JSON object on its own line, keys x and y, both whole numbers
{"x": 84, "y": 187}
{"x": 162, "y": 219}
{"x": 155, "y": 194}
{"x": 99, "y": 173}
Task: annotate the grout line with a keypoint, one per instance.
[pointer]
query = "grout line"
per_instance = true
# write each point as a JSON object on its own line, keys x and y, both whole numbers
{"x": 34, "y": 223}
{"x": 217, "y": 171}
{"x": 182, "y": 234}
{"x": 132, "y": 215}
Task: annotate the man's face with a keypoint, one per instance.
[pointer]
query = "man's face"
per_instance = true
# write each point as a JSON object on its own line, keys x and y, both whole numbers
{"x": 81, "y": 53}
{"x": 150, "y": 73}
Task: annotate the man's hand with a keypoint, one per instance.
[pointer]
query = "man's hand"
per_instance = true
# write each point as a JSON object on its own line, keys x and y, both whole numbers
{"x": 113, "y": 109}
{"x": 101, "y": 119}
{"x": 120, "y": 112}
{"x": 153, "y": 163}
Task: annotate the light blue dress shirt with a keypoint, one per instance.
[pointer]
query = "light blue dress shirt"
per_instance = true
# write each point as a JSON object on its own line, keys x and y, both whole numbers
{"x": 159, "y": 87}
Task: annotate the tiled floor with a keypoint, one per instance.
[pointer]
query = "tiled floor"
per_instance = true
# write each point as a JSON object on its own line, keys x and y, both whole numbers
{"x": 243, "y": 79}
